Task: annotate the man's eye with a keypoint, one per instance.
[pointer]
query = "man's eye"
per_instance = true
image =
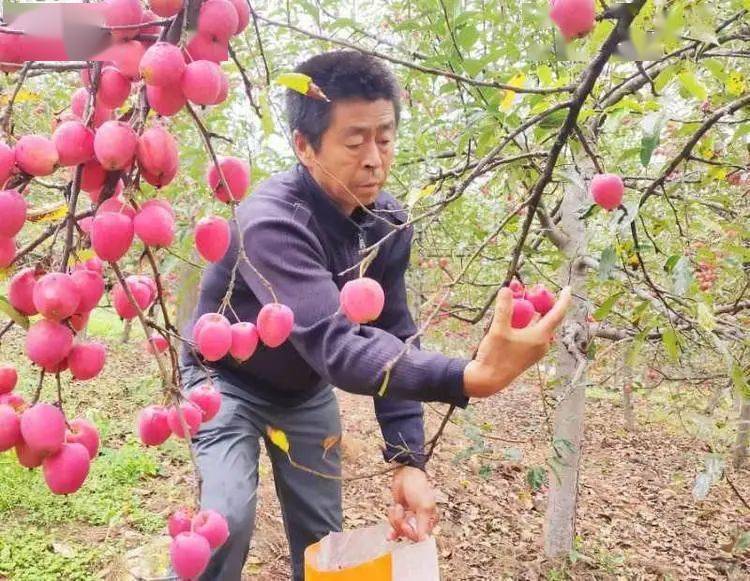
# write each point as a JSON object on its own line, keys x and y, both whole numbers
{"x": 353, "y": 146}
{"x": 384, "y": 141}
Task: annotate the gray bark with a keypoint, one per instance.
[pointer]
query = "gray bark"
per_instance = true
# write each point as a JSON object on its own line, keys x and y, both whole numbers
{"x": 560, "y": 518}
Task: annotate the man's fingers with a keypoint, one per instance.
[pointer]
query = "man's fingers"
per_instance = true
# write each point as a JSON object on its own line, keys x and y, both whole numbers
{"x": 404, "y": 524}
{"x": 503, "y": 309}
{"x": 410, "y": 526}
{"x": 556, "y": 315}
{"x": 426, "y": 520}
{"x": 396, "y": 518}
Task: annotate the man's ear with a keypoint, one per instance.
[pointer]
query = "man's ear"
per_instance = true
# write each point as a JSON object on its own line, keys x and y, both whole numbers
{"x": 303, "y": 149}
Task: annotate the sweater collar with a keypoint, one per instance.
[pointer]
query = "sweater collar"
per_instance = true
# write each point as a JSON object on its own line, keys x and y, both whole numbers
{"x": 327, "y": 212}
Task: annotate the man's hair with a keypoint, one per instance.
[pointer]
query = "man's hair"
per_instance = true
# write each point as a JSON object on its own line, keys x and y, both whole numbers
{"x": 341, "y": 75}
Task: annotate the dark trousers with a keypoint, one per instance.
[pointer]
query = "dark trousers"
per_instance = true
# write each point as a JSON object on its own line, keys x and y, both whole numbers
{"x": 227, "y": 450}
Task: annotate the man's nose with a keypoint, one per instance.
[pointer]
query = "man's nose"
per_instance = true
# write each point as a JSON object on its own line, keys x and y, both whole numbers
{"x": 372, "y": 156}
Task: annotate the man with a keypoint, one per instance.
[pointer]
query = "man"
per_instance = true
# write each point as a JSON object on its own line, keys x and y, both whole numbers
{"x": 301, "y": 230}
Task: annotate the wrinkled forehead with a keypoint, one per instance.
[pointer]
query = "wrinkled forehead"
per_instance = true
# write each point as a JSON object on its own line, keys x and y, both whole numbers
{"x": 355, "y": 117}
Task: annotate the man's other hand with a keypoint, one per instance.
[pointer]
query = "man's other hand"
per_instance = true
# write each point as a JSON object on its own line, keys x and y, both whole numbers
{"x": 413, "y": 514}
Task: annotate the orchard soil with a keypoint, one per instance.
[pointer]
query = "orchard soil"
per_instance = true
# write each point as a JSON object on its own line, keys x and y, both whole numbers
{"x": 637, "y": 518}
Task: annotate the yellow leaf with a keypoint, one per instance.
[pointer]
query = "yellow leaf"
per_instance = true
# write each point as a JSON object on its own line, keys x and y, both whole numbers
{"x": 718, "y": 173}
{"x": 386, "y": 380}
{"x": 279, "y": 439}
{"x": 735, "y": 83}
{"x": 18, "y": 318}
{"x": 81, "y": 256}
{"x": 5, "y": 273}
{"x": 329, "y": 442}
{"x": 295, "y": 81}
{"x": 23, "y": 96}
{"x": 510, "y": 96}
{"x": 48, "y": 213}
{"x": 416, "y": 195}
{"x": 706, "y": 149}
{"x": 302, "y": 84}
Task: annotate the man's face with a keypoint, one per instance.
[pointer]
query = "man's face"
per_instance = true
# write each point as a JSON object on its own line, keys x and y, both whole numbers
{"x": 356, "y": 152}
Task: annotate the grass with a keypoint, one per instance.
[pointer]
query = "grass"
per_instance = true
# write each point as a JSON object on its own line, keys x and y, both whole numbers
{"x": 31, "y": 555}
{"x": 105, "y": 323}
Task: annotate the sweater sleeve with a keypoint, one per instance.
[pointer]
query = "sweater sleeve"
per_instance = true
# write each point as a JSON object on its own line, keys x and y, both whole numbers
{"x": 401, "y": 421}
{"x": 350, "y": 356}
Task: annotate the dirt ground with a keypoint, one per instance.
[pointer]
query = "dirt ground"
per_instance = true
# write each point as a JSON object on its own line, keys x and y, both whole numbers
{"x": 637, "y": 517}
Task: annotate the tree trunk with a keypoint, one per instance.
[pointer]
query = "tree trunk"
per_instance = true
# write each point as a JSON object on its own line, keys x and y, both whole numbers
{"x": 560, "y": 519}
{"x": 716, "y": 396}
{"x": 627, "y": 398}
{"x": 743, "y": 434}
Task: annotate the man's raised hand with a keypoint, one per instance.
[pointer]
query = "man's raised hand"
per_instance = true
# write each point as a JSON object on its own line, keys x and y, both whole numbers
{"x": 504, "y": 352}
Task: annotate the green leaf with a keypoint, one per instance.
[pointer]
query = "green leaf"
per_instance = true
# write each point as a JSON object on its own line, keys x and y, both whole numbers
{"x": 642, "y": 307}
{"x": 692, "y": 85}
{"x": 665, "y": 77}
{"x": 544, "y": 72}
{"x": 607, "y": 263}
{"x": 671, "y": 347}
{"x": 536, "y": 476}
{"x": 716, "y": 68}
{"x": 485, "y": 471}
{"x": 472, "y": 66}
{"x": 311, "y": 9}
{"x": 606, "y": 306}
{"x": 343, "y": 23}
{"x": 740, "y": 381}
{"x": 554, "y": 120}
{"x": 467, "y": 36}
{"x": 648, "y": 144}
{"x": 652, "y": 126}
{"x": 18, "y": 318}
{"x": 670, "y": 263}
{"x": 743, "y": 541}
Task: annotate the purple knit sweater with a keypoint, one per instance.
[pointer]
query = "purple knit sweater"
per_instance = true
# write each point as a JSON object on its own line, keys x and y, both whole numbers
{"x": 300, "y": 241}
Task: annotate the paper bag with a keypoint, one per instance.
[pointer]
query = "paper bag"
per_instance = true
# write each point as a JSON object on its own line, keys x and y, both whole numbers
{"x": 367, "y": 555}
